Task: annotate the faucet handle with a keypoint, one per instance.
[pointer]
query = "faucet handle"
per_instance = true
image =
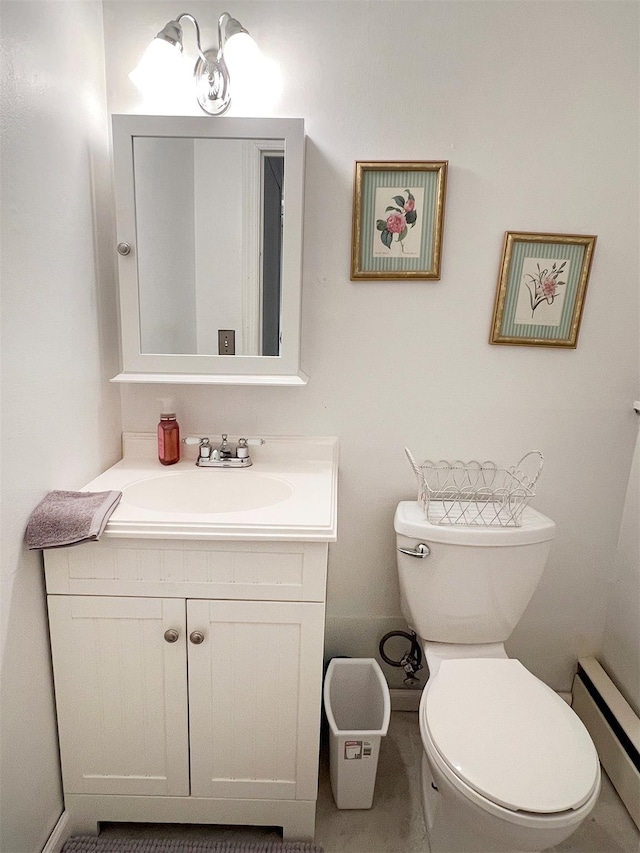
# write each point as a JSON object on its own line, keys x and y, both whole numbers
{"x": 205, "y": 446}
{"x": 242, "y": 450}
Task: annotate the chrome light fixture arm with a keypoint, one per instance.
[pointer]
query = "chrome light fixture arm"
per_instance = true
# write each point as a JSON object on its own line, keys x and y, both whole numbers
{"x": 179, "y": 40}
{"x": 210, "y": 71}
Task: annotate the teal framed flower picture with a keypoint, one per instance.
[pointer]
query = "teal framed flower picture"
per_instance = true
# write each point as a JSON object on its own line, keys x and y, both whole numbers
{"x": 398, "y": 213}
{"x": 541, "y": 289}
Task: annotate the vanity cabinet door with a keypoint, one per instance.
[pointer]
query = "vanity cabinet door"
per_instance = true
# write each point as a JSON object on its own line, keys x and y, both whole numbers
{"x": 255, "y": 678}
{"x": 121, "y": 694}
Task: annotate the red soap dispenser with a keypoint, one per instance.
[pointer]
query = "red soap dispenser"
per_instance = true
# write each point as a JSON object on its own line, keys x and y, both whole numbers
{"x": 168, "y": 435}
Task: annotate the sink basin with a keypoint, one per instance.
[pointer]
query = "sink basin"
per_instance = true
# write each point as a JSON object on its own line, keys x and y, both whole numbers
{"x": 207, "y": 491}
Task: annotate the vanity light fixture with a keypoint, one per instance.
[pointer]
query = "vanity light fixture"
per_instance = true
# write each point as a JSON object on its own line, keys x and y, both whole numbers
{"x": 163, "y": 59}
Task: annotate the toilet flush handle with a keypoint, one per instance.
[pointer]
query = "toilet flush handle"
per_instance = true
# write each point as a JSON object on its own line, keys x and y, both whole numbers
{"x": 421, "y": 550}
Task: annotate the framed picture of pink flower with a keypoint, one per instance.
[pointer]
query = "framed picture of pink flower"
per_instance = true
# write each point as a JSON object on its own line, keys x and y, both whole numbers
{"x": 541, "y": 289}
{"x": 398, "y": 212}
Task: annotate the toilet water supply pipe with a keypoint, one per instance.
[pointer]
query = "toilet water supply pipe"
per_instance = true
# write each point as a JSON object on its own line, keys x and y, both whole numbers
{"x": 411, "y": 661}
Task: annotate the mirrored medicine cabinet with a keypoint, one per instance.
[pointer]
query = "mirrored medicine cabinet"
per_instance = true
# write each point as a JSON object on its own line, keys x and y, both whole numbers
{"x": 209, "y": 238}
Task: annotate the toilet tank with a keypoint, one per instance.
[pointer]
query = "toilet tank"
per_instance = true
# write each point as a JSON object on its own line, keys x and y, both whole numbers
{"x": 476, "y": 582}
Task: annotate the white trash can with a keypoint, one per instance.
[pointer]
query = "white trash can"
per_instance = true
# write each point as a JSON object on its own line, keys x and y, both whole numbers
{"x": 358, "y": 707}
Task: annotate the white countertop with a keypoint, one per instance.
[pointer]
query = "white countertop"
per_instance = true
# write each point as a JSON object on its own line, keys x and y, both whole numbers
{"x": 308, "y": 465}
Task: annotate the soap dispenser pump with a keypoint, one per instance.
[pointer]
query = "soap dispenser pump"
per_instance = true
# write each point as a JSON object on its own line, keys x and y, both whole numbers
{"x": 168, "y": 434}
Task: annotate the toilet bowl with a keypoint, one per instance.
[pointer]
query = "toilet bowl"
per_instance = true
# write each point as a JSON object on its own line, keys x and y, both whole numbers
{"x": 507, "y": 766}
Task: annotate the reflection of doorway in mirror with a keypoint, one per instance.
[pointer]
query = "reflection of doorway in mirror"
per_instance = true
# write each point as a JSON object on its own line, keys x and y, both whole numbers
{"x": 272, "y": 197}
{"x": 262, "y": 246}
{"x": 238, "y": 202}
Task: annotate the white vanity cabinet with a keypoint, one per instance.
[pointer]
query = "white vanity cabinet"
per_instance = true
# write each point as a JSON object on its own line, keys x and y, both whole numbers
{"x": 188, "y": 680}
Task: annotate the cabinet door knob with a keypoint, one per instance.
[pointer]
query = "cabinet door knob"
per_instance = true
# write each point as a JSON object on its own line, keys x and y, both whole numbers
{"x": 171, "y": 635}
{"x": 196, "y": 637}
{"x": 124, "y": 249}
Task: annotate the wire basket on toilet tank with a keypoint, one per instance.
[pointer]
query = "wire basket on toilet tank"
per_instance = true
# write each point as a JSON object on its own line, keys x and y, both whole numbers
{"x": 476, "y": 493}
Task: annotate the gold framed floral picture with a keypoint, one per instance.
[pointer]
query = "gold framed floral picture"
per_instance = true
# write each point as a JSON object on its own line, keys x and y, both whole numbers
{"x": 541, "y": 289}
{"x": 398, "y": 212}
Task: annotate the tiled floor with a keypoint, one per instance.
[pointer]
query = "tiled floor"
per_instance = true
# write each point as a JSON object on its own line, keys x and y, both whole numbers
{"x": 394, "y": 824}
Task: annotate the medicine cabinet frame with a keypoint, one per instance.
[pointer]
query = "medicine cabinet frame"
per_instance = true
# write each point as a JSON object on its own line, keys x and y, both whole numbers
{"x": 143, "y": 367}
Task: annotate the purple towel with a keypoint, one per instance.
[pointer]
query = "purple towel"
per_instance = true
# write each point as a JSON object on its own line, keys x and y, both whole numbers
{"x": 70, "y": 518}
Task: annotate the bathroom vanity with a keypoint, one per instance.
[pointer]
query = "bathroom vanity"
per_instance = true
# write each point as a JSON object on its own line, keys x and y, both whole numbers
{"x": 188, "y": 646}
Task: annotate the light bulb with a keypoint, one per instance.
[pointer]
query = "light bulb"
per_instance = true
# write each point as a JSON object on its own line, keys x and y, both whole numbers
{"x": 241, "y": 56}
{"x": 163, "y": 71}
{"x": 256, "y": 81}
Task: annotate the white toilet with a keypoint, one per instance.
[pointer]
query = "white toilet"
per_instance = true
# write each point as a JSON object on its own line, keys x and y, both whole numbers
{"x": 507, "y": 765}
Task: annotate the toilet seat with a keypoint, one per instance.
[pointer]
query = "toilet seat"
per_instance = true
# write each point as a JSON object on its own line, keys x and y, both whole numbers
{"x": 508, "y": 737}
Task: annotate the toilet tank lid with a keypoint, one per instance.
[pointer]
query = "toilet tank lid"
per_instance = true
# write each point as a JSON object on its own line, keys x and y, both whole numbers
{"x": 509, "y": 736}
{"x": 411, "y": 521}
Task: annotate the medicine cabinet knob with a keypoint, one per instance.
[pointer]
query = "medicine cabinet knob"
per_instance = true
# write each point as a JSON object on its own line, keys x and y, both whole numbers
{"x": 171, "y": 635}
{"x": 124, "y": 249}
{"x": 196, "y": 637}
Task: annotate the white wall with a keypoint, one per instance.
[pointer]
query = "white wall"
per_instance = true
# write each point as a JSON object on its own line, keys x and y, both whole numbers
{"x": 535, "y": 106}
{"x": 59, "y": 342}
{"x": 164, "y": 191}
{"x": 218, "y": 190}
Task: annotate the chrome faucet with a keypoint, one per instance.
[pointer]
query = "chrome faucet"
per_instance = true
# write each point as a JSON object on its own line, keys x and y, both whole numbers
{"x": 223, "y": 456}
{"x": 225, "y": 451}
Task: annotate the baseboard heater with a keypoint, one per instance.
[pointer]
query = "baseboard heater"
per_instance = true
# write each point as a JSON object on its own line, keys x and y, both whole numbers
{"x": 614, "y": 727}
